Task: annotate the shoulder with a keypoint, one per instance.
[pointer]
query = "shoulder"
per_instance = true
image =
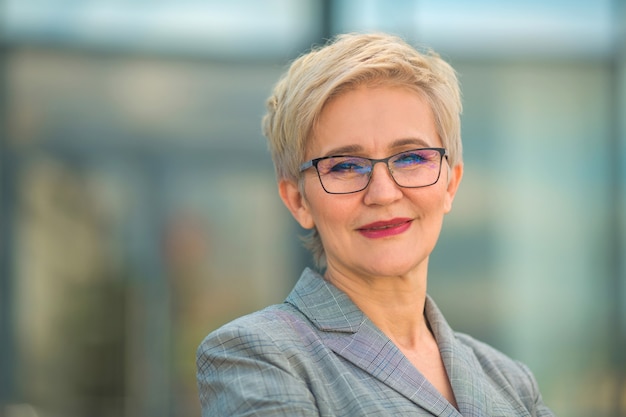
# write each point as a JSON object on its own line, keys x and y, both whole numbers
{"x": 263, "y": 323}
{"x": 253, "y": 363}
{"x": 274, "y": 329}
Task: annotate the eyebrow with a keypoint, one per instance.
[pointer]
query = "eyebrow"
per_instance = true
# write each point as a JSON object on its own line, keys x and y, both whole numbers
{"x": 356, "y": 149}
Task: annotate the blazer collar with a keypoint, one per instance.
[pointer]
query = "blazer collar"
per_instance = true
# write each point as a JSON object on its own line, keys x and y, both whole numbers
{"x": 346, "y": 330}
{"x": 464, "y": 372}
{"x": 325, "y": 305}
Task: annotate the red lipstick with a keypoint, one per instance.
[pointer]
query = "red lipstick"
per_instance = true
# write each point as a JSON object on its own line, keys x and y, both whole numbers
{"x": 385, "y": 228}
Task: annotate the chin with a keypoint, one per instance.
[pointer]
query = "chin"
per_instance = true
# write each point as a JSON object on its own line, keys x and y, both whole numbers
{"x": 405, "y": 256}
{"x": 393, "y": 268}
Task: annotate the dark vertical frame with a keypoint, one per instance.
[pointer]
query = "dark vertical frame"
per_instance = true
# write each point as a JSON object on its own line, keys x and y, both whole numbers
{"x": 617, "y": 187}
{"x": 326, "y": 20}
{"x": 6, "y": 240}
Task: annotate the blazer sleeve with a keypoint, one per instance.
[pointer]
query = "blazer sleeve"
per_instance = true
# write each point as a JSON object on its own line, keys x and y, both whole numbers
{"x": 242, "y": 372}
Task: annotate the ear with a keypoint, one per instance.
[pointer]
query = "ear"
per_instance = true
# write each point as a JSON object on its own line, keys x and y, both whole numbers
{"x": 454, "y": 179}
{"x": 296, "y": 203}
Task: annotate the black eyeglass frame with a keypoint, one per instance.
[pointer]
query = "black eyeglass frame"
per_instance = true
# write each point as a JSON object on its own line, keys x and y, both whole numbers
{"x": 443, "y": 152}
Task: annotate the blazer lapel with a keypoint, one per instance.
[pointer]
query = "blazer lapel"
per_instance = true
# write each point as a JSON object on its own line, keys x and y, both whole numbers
{"x": 372, "y": 351}
{"x": 463, "y": 370}
{"x": 474, "y": 394}
{"x": 350, "y": 334}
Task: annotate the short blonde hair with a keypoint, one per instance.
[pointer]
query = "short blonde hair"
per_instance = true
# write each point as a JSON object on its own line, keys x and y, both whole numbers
{"x": 348, "y": 61}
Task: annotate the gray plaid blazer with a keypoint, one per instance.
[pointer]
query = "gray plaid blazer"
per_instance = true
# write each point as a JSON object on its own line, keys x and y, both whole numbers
{"x": 317, "y": 354}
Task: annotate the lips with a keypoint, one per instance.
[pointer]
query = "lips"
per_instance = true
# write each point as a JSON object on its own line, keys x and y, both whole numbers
{"x": 385, "y": 228}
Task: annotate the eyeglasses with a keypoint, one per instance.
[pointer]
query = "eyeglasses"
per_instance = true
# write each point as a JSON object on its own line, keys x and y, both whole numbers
{"x": 344, "y": 174}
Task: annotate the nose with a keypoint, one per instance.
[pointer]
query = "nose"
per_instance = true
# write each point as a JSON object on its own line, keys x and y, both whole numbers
{"x": 382, "y": 188}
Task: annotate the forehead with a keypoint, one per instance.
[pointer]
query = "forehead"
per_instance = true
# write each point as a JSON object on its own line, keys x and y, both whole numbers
{"x": 374, "y": 119}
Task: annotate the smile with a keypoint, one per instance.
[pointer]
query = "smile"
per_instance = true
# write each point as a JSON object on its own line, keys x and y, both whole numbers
{"x": 386, "y": 228}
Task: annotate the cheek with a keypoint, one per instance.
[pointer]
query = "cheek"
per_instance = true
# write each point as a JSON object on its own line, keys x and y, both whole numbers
{"x": 332, "y": 215}
{"x": 332, "y": 218}
{"x": 430, "y": 201}
{"x": 430, "y": 212}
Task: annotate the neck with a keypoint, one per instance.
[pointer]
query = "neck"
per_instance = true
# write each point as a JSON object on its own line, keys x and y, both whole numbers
{"x": 395, "y": 304}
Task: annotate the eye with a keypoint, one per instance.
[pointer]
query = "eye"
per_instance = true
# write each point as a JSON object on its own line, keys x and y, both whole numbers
{"x": 345, "y": 166}
{"x": 412, "y": 159}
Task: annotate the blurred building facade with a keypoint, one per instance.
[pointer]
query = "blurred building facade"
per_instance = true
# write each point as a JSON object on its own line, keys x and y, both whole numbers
{"x": 139, "y": 209}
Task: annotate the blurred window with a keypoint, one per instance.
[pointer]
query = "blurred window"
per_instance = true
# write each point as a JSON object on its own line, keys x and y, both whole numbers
{"x": 227, "y": 29}
{"x": 489, "y": 27}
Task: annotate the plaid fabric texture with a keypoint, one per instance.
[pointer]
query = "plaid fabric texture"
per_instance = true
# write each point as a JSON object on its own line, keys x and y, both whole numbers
{"x": 317, "y": 354}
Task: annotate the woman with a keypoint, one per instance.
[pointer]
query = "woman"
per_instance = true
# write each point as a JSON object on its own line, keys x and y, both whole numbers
{"x": 365, "y": 138}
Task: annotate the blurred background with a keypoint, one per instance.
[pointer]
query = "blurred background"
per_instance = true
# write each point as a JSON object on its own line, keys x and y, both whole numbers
{"x": 138, "y": 207}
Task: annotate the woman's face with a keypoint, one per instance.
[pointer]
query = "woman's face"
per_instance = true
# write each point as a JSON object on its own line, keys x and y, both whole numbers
{"x": 384, "y": 230}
